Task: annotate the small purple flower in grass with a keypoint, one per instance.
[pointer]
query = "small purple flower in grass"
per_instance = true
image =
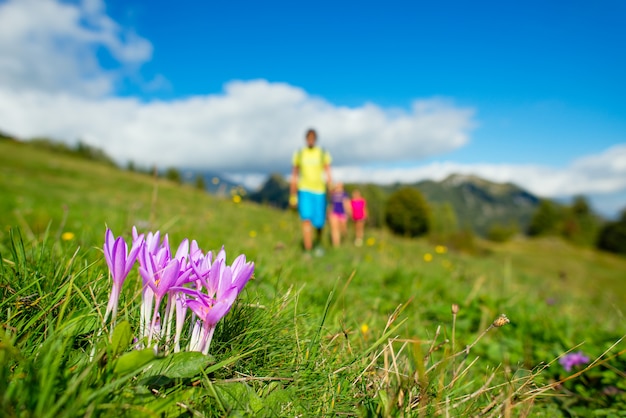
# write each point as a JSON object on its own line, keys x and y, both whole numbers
{"x": 571, "y": 360}
{"x": 210, "y": 312}
{"x": 120, "y": 262}
{"x": 222, "y": 284}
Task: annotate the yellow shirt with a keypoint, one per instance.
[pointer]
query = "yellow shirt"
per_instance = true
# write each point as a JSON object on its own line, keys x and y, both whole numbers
{"x": 311, "y": 163}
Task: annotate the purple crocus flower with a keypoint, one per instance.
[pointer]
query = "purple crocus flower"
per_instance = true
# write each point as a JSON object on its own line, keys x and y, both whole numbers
{"x": 153, "y": 258}
{"x": 120, "y": 262}
{"x": 188, "y": 280}
{"x": 242, "y": 272}
{"x": 571, "y": 360}
{"x": 160, "y": 279}
{"x": 181, "y": 312}
{"x": 222, "y": 284}
{"x": 210, "y": 312}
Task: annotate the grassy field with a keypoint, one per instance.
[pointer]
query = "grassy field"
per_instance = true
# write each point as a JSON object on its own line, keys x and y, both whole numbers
{"x": 397, "y": 327}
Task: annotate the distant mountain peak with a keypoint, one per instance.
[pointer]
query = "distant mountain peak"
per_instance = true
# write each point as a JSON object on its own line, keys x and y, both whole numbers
{"x": 458, "y": 179}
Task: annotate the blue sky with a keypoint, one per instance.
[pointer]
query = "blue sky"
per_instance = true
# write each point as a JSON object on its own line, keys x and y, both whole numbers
{"x": 528, "y": 92}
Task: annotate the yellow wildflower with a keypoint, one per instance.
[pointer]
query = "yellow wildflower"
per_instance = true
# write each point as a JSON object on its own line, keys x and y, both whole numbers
{"x": 428, "y": 257}
{"x": 67, "y": 236}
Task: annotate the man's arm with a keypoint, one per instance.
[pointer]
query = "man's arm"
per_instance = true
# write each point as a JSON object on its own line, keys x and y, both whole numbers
{"x": 329, "y": 179}
{"x": 293, "y": 187}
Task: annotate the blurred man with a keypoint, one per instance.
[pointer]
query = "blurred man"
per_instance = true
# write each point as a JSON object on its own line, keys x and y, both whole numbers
{"x": 309, "y": 177}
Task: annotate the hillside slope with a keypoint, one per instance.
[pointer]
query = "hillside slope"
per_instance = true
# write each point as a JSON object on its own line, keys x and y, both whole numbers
{"x": 332, "y": 310}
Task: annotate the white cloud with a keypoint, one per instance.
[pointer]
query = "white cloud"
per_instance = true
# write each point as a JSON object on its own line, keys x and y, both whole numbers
{"x": 52, "y": 84}
{"x": 49, "y": 46}
{"x": 252, "y": 126}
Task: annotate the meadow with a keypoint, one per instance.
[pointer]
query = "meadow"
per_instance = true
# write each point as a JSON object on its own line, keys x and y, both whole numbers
{"x": 398, "y": 327}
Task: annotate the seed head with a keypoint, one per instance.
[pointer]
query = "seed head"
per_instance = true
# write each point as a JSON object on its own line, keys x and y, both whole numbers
{"x": 455, "y": 309}
{"x": 501, "y": 321}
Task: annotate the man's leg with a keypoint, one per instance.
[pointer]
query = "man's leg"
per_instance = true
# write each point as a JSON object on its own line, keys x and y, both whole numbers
{"x": 307, "y": 235}
{"x": 319, "y": 216}
{"x": 306, "y": 208}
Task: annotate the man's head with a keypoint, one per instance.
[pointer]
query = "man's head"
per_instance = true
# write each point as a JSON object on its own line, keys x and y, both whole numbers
{"x": 311, "y": 138}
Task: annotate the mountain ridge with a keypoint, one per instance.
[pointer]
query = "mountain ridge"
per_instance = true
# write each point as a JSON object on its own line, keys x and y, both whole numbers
{"x": 477, "y": 203}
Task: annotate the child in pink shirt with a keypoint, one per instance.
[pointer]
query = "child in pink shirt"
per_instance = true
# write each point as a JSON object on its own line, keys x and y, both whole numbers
{"x": 359, "y": 214}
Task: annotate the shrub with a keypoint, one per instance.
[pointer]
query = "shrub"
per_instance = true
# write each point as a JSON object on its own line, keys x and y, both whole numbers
{"x": 407, "y": 213}
{"x": 580, "y": 225}
{"x": 612, "y": 236}
{"x": 444, "y": 220}
{"x": 546, "y": 220}
{"x": 501, "y": 233}
{"x": 200, "y": 183}
{"x": 173, "y": 174}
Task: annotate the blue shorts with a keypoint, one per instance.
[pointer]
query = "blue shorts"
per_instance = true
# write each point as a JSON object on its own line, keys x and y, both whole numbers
{"x": 312, "y": 207}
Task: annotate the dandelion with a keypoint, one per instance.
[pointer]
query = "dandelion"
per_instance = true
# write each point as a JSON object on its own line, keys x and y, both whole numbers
{"x": 370, "y": 241}
{"x": 236, "y": 198}
{"x": 441, "y": 249}
{"x": 252, "y": 234}
{"x": 571, "y": 360}
{"x": 364, "y": 328}
{"x": 428, "y": 257}
{"x": 67, "y": 236}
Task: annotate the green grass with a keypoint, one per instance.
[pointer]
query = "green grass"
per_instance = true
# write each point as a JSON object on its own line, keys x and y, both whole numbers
{"x": 361, "y": 331}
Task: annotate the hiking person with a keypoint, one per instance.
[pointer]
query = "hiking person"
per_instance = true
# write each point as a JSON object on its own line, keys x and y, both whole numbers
{"x": 337, "y": 214}
{"x": 358, "y": 209}
{"x": 309, "y": 176}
